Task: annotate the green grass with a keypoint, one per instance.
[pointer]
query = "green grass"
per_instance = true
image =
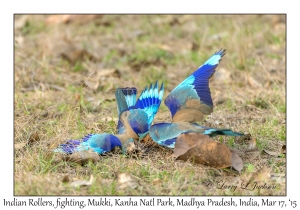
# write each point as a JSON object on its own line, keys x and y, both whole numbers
{"x": 146, "y": 48}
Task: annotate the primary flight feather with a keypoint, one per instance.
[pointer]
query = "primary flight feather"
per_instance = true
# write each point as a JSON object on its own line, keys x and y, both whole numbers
{"x": 191, "y": 99}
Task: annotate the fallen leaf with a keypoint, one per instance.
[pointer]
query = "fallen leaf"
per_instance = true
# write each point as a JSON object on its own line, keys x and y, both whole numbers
{"x": 19, "y": 146}
{"x": 157, "y": 181}
{"x": 126, "y": 180}
{"x": 130, "y": 147}
{"x": 74, "y": 54}
{"x": 202, "y": 149}
{"x": 253, "y": 83}
{"x": 219, "y": 99}
{"x": 276, "y": 154}
{"x": 82, "y": 183}
{"x": 34, "y": 137}
{"x": 148, "y": 142}
{"x": 83, "y": 157}
{"x": 252, "y": 145}
{"x": 244, "y": 138}
{"x": 183, "y": 144}
{"x": 252, "y": 151}
{"x": 237, "y": 162}
{"x": 21, "y": 21}
{"x": 252, "y": 154}
{"x": 108, "y": 72}
{"x": 91, "y": 84}
{"x": 66, "y": 48}
{"x": 106, "y": 182}
{"x": 262, "y": 174}
{"x": 279, "y": 178}
{"x": 79, "y": 19}
{"x": 66, "y": 179}
{"x": 283, "y": 149}
{"x": 222, "y": 75}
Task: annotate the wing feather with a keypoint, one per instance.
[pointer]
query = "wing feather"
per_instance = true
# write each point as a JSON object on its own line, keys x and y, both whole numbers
{"x": 196, "y": 86}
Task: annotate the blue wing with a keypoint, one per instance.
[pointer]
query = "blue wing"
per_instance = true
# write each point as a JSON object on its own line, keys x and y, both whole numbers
{"x": 166, "y": 133}
{"x": 191, "y": 99}
{"x": 99, "y": 143}
{"x": 125, "y": 97}
{"x": 150, "y": 100}
{"x": 137, "y": 119}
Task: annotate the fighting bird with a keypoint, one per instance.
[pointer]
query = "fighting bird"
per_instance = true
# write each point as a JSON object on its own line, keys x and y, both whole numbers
{"x": 165, "y": 134}
{"x": 135, "y": 119}
{"x": 188, "y": 103}
{"x": 191, "y": 99}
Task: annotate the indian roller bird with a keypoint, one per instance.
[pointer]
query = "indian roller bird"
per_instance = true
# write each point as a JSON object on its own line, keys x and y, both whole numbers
{"x": 188, "y": 103}
{"x": 135, "y": 119}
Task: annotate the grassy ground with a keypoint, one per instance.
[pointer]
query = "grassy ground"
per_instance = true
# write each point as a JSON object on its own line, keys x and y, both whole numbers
{"x": 66, "y": 71}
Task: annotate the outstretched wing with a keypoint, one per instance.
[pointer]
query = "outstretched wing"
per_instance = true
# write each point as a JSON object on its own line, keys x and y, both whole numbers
{"x": 191, "y": 99}
{"x": 150, "y": 100}
{"x": 125, "y": 97}
{"x": 99, "y": 143}
{"x": 166, "y": 134}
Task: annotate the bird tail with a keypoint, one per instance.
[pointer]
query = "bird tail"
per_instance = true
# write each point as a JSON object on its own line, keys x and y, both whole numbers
{"x": 218, "y": 131}
{"x": 125, "y": 97}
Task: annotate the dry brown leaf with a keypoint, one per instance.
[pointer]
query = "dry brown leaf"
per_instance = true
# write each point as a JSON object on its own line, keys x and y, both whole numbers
{"x": 253, "y": 83}
{"x": 222, "y": 75}
{"x": 20, "y": 22}
{"x": 237, "y": 162}
{"x": 262, "y": 174}
{"x": 157, "y": 181}
{"x": 91, "y": 84}
{"x": 33, "y": 138}
{"x": 276, "y": 154}
{"x": 183, "y": 144}
{"x": 74, "y": 54}
{"x": 252, "y": 145}
{"x": 66, "y": 179}
{"x": 68, "y": 49}
{"x": 283, "y": 149}
{"x": 202, "y": 149}
{"x": 82, "y": 183}
{"x": 126, "y": 180}
{"x": 252, "y": 151}
{"x": 108, "y": 73}
{"x": 19, "y": 146}
{"x": 252, "y": 154}
{"x": 219, "y": 99}
{"x": 106, "y": 182}
{"x": 83, "y": 157}
{"x": 130, "y": 147}
{"x": 148, "y": 142}
{"x": 279, "y": 178}
{"x": 80, "y": 19}
{"x": 244, "y": 138}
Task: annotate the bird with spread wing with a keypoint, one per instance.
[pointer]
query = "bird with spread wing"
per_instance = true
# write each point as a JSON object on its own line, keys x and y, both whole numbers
{"x": 135, "y": 119}
{"x": 188, "y": 103}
